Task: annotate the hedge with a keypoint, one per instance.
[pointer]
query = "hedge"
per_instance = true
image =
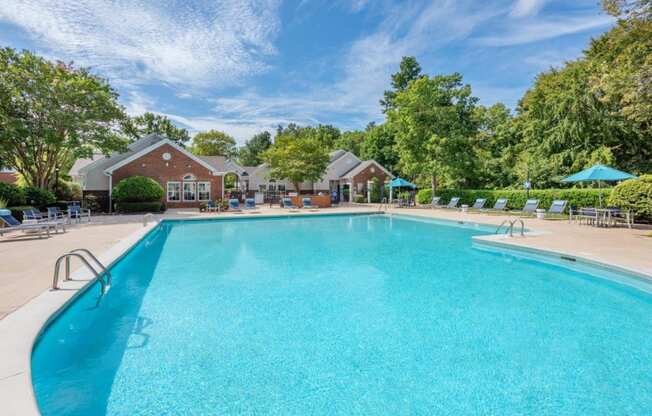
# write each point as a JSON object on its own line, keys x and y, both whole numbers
{"x": 131, "y": 207}
{"x": 516, "y": 198}
{"x": 38, "y": 197}
{"x": 138, "y": 189}
{"x": 14, "y": 195}
{"x": 635, "y": 195}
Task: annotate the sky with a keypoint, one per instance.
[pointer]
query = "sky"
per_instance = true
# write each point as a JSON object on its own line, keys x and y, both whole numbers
{"x": 244, "y": 66}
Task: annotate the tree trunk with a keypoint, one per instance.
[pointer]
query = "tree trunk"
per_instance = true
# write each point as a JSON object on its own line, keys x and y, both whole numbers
{"x": 433, "y": 183}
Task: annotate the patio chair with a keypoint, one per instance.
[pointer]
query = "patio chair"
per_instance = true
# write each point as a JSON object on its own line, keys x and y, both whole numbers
{"x": 307, "y": 204}
{"x": 210, "y": 206}
{"x": 55, "y": 214}
{"x": 479, "y": 203}
{"x": 452, "y": 204}
{"x": 500, "y": 205}
{"x": 530, "y": 206}
{"x": 557, "y": 207}
{"x": 34, "y": 215}
{"x": 75, "y": 212}
{"x": 234, "y": 205}
{"x": 618, "y": 216}
{"x": 435, "y": 202}
{"x": 287, "y": 203}
{"x": 588, "y": 215}
{"x": 12, "y": 224}
{"x": 250, "y": 204}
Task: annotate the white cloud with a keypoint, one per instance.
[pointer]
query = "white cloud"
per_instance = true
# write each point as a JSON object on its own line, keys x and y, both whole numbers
{"x": 524, "y": 8}
{"x": 538, "y": 30}
{"x": 147, "y": 40}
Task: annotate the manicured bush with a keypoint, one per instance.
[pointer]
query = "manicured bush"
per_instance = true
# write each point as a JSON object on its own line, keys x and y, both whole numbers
{"x": 375, "y": 190}
{"x": 38, "y": 197}
{"x": 138, "y": 189}
{"x": 14, "y": 195}
{"x": 360, "y": 199}
{"x": 17, "y": 211}
{"x": 516, "y": 198}
{"x": 130, "y": 207}
{"x": 635, "y": 195}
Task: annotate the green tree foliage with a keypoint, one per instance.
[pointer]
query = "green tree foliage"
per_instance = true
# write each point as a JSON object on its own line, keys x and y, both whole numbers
{"x": 380, "y": 145}
{"x": 637, "y": 9}
{"x": 38, "y": 197}
{"x": 326, "y": 135}
{"x": 150, "y": 123}
{"x": 297, "y": 156}
{"x": 52, "y": 113}
{"x": 351, "y": 141}
{"x": 409, "y": 70}
{"x": 251, "y": 153}
{"x": 12, "y": 194}
{"x": 213, "y": 143}
{"x": 434, "y": 124}
{"x": 137, "y": 189}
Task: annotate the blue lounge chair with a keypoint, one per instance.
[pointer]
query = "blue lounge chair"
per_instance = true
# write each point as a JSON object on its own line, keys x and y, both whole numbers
{"x": 287, "y": 203}
{"x": 530, "y": 206}
{"x": 12, "y": 224}
{"x": 435, "y": 202}
{"x": 250, "y": 204}
{"x": 55, "y": 214}
{"x": 210, "y": 206}
{"x": 234, "y": 205}
{"x": 75, "y": 212}
{"x": 452, "y": 204}
{"x": 479, "y": 203}
{"x": 557, "y": 207}
{"x": 34, "y": 215}
{"x": 307, "y": 203}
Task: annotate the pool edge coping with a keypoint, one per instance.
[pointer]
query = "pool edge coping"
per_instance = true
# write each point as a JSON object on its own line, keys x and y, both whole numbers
{"x": 22, "y": 328}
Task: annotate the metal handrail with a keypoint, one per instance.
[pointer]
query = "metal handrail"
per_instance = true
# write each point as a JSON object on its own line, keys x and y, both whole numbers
{"x": 146, "y": 216}
{"x": 510, "y": 228}
{"x": 106, "y": 271}
{"x": 55, "y": 281}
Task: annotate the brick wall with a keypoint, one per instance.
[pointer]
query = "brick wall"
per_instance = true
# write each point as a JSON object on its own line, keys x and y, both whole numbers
{"x": 152, "y": 165}
{"x": 372, "y": 171}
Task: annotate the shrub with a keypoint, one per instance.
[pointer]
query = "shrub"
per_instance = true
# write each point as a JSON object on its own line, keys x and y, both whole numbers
{"x": 75, "y": 191}
{"x": 375, "y": 190}
{"x": 516, "y": 198}
{"x": 424, "y": 196}
{"x": 130, "y": 207}
{"x": 17, "y": 211}
{"x": 138, "y": 189}
{"x": 38, "y": 197}
{"x": 635, "y": 195}
{"x": 360, "y": 199}
{"x": 13, "y": 194}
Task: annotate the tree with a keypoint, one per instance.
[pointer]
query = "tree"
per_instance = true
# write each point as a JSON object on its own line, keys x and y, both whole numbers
{"x": 150, "y": 123}
{"x": 213, "y": 143}
{"x": 325, "y": 134}
{"x": 409, "y": 70}
{"x": 434, "y": 124}
{"x": 51, "y": 113}
{"x": 251, "y": 153}
{"x": 629, "y": 8}
{"x": 380, "y": 145}
{"x": 297, "y": 157}
{"x": 351, "y": 141}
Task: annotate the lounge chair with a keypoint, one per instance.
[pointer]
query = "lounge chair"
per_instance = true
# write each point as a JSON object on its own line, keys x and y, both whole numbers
{"x": 500, "y": 205}
{"x": 234, "y": 205}
{"x": 12, "y": 224}
{"x": 250, "y": 205}
{"x": 530, "y": 206}
{"x": 435, "y": 202}
{"x": 307, "y": 204}
{"x": 55, "y": 214}
{"x": 33, "y": 215}
{"x": 452, "y": 204}
{"x": 479, "y": 203}
{"x": 287, "y": 203}
{"x": 210, "y": 206}
{"x": 75, "y": 212}
{"x": 588, "y": 215}
{"x": 557, "y": 207}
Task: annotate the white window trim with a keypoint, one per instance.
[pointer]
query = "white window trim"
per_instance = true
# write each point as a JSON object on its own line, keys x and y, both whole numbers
{"x": 167, "y": 189}
{"x": 183, "y": 191}
{"x": 208, "y": 190}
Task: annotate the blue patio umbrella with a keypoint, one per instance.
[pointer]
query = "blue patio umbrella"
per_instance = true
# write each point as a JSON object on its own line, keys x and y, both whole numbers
{"x": 402, "y": 183}
{"x": 599, "y": 173}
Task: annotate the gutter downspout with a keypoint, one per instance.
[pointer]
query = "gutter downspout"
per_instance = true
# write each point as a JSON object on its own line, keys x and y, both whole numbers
{"x": 110, "y": 175}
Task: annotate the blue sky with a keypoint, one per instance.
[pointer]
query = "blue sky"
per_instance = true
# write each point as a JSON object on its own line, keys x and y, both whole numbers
{"x": 244, "y": 66}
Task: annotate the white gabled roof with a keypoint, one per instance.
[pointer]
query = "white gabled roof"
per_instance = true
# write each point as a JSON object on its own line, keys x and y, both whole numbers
{"x": 364, "y": 165}
{"x": 136, "y": 155}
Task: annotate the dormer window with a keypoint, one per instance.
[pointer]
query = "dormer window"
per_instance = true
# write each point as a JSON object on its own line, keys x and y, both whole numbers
{"x": 189, "y": 177}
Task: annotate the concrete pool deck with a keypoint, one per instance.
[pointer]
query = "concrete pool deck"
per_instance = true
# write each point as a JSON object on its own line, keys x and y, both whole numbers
{"x": 26, "y": 303}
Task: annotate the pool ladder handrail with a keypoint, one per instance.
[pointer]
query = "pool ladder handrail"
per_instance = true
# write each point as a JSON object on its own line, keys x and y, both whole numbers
{"x": 147, "y": 216}
{"x": 382, "y": 207}
{"x": 510, "y": 226}
{"x": 105, "y": 283}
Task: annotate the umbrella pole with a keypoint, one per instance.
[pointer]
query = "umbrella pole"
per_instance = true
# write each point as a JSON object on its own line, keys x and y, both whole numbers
{"x": 600, "y": 194}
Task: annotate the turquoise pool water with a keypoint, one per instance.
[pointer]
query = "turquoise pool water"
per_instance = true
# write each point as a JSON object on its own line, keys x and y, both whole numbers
{"x": 344, "y": 315}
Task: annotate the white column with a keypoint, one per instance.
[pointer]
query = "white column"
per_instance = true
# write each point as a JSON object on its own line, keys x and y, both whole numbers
{"x": 351, "y": 191}
{"x": 222, "y": 187}
{"x": 369, "y": 192}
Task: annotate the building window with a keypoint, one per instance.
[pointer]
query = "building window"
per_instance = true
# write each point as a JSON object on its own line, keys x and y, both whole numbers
{"x": 281, "y": 187}
{"x": 174, "y": 191}
{"x": 262, "y": 187}
{"x": 189, "y": 177}
{"x": 204, "y": 191}
{"x": 189, "y": 189}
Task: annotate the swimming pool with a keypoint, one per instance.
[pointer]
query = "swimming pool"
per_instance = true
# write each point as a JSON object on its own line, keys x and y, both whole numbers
{"x": 364, "y": 314}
